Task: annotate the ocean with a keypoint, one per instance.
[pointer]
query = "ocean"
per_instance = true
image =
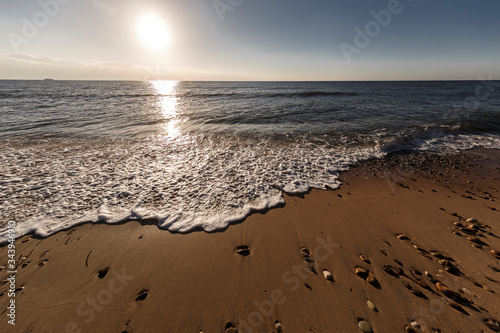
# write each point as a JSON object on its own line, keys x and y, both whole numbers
{"x": 201, "y": 155}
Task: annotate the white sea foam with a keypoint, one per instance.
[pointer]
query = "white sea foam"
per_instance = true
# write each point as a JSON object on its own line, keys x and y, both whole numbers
{"x": 187, "y": 183}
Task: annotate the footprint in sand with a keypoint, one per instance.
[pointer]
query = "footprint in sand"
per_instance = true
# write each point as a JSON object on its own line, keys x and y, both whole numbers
{"x": 102, "y": 273}
{"x": 142, "y": 295}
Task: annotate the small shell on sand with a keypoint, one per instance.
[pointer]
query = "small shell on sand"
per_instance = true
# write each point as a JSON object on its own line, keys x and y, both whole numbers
{"x": 409, "y": 329}
{"x": 371, "y": 306}
{"x": 365, "y": 327}
{"x": 492, "y": 325}
{"x": 403, "y": 237}
{"x": 473, "y": 239}
{"x": 361, "y": 272}
{"x": 495, "y": 253}
{"x": 472, "y": 220}
{"x": 467, "y": 292}
{"x": 443, "y": 262}
{"x": 447, "y": 291}
{"x": 454, "y": 305}
{"x": 363, "y": 258}
{"x": 327, "y": 275}
{"x": 371, "y": 279}
{"x": 458, "y": 224}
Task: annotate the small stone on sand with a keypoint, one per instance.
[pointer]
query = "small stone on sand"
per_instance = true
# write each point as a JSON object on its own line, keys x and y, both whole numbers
{"x": 327, "y": 275}
{"x": 371, "y": 306}
{"x": 365, "y": 327}
{"x": 361, "y": 272}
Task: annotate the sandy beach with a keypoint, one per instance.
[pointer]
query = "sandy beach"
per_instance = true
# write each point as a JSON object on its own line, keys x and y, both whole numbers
{"x": 407, "y": 244}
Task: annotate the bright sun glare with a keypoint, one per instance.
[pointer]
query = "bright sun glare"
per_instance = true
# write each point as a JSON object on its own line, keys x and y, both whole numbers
{"x": 152, "y": 31}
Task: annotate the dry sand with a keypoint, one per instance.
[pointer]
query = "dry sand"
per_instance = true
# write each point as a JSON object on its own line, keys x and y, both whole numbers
{"x": 137, "y": 278}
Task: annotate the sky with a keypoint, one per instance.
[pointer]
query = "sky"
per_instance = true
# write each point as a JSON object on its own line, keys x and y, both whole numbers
{"x": 277, "y": 40}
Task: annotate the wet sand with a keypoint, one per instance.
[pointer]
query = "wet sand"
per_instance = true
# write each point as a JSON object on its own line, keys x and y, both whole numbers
{"x": 386, "y": 236}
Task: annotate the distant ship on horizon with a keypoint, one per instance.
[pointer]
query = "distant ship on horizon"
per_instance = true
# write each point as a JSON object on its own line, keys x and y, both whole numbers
{"x": 48, "y": 79}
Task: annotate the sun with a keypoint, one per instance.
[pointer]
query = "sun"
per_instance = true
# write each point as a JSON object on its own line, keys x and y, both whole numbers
{"x": 152, "y": 31}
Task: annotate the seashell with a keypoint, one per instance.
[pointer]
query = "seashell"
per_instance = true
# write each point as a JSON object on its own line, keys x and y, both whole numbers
{"x": 473, "y": 239}
{"x": 467, "y": 292}
{"x": 458, "y": 224}
{"x": 492, "y": 325}
{"x": 365, "y": 327}
{"x": 371, "y": 306}
{"x": 409, "y": 329}
{"x": 363, "y": 258}
{"x": 438, "y": 255}
{"x": 371, "y": 279}
{"x": 472, "y": 220}
{"x": 403, "y": 237}
{"x": 444, "y": 262}
{"x": 447, "y": 291}
{"x": 328, "y": 275}
{"x": 495, "y": 253}
{"x": 361, "y": 272}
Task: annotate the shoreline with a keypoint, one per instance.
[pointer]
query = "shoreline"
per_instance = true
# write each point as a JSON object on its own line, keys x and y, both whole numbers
{"x": 139, "y": 276}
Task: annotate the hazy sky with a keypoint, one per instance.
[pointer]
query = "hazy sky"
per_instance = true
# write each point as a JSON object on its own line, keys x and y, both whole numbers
{"x": 250, "y": 39}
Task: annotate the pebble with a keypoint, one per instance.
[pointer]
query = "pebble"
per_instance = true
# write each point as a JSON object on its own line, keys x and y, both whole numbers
{"x": 278, "y": 327}
{"x": 428, "y": 274}
{"x": 409, "y": 329}
{"x": 447, "y": 291}
{"x": 467, "y": 292}
{"x": 444, "y": 262}
{"x": 371, "y": 279}
{"x": 403, "y": 237}
{"x": 454, "y": 305}
{"x": 488, "y": 289}
{"x": 361, "y": 272}
{"x": 494, "y": 252}
{"x": 472, "y": 220}
{"x": 371, "y": 306}
{"x": 473, "y": 239}
{"x": 437, "y": 254}
{"x": 458, "y": 224}
{"x": 364, "y": 258}
{"x": 327, "y": 275}
{"x": 492, "y": 325}
{"x": 365, "y": 327}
